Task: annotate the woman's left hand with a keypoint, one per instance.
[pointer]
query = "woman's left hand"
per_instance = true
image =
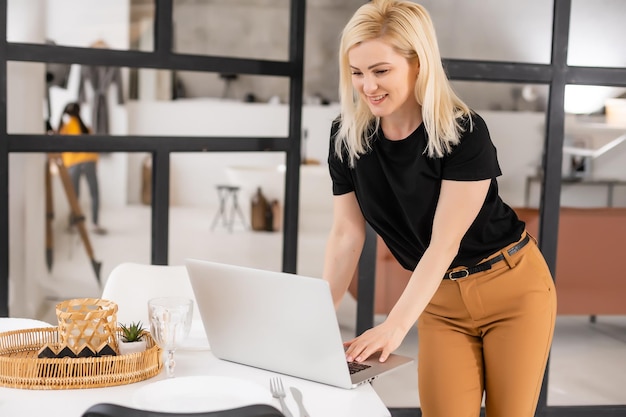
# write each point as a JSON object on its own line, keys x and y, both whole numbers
{"x": 384, "y": 338}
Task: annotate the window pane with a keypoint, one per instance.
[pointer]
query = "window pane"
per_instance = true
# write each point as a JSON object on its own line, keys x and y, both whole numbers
{"x": 206, "y": 105}
{"x": 114, "y": 24}
{"x": 589, "y": 99}
{"x": 502, "y": 96}
{"x": 237, "y": 28}
{"x": 595, "y": 148}
{"x": 597, "y": 34}
{"x": 50, "y": 259}
{"x": 201, "y": 227}
{"x": 211, "y": 211}
{"x": 102, "y": 114}
{"x": 496, "y": 30}
{"x": 232, "y": 87}
{"x": 587, "y": 360}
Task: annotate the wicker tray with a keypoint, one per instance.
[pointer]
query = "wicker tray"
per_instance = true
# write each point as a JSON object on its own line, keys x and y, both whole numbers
{"x": 21, "y": 368}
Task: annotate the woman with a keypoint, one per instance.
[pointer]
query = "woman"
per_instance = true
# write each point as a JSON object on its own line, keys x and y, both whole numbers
{"x": 81, "y": 163}
{"x": 411, "y": 159}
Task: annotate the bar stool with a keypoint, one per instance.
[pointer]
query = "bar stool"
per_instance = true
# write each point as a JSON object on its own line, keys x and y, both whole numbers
{"x": 226, "y": 194}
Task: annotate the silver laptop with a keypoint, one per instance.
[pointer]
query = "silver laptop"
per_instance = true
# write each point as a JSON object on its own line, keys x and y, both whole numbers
{"x": 276, "y": 321}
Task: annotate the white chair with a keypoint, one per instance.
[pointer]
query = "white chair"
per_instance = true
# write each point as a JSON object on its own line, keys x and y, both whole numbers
{"x": 130, "y": 285}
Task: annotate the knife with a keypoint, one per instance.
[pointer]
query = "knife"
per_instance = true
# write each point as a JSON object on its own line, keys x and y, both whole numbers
{"x": 298, "y": 397}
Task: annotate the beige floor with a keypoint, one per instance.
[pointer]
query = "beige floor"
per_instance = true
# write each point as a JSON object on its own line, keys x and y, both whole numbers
{"x": 588, "y": 362}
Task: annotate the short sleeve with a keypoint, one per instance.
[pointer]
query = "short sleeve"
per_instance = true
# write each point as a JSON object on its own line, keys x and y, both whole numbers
{"x": 339, "y": 170}
{"x": 475, "y": 157}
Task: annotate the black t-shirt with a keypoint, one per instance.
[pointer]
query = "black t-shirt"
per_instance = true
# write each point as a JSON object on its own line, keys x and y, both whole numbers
{"x": 397, "y": 187}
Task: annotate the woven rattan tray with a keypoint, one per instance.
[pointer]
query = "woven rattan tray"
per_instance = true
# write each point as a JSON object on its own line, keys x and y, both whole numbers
{"x": 21, "y": 368}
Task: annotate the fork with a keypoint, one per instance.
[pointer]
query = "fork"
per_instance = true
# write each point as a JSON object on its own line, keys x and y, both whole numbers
{"x": 276, "y": 387}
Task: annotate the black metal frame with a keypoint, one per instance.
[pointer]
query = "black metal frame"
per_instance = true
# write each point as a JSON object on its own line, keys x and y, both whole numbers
{"x": 557, "y": 74}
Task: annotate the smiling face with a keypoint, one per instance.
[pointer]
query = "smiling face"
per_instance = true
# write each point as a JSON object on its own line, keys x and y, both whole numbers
{"x": 384, "y": 79}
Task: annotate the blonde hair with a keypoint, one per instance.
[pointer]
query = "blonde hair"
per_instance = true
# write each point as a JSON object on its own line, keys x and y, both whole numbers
{"x": 408, "y": 28}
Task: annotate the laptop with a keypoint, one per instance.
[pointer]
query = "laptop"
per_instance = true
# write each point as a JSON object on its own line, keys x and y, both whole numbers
{"x": 279, "y": 322}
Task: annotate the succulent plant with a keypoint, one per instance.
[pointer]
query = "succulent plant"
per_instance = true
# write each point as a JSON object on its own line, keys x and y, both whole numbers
{"x": 133, "y": 332}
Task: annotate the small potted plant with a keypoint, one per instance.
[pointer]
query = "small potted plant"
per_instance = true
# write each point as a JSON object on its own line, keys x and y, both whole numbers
{"x": 131, "y": 339}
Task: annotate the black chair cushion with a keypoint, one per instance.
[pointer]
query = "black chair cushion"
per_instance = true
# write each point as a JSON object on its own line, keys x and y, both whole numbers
{"x": 114, "y": 410}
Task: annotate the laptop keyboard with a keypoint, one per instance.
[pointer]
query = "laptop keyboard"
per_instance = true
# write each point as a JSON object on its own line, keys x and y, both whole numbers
{"x": 355, "y": 367}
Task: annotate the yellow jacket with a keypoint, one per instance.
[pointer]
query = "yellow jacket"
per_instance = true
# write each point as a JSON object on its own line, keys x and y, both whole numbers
{"x": 72, "y": 127}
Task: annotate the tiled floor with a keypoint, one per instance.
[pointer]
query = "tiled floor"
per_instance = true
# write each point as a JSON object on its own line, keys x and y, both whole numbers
{"x": 588, "y": 361}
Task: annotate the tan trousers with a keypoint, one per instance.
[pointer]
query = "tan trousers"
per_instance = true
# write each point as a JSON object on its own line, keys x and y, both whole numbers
{"x": 488, "y": 333}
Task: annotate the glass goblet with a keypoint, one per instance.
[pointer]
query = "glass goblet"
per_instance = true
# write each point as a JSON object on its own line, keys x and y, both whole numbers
{"x": 170, "y": 322}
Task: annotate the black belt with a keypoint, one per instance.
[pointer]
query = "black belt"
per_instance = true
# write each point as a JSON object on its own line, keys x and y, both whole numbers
{"x": 485, "y": 266}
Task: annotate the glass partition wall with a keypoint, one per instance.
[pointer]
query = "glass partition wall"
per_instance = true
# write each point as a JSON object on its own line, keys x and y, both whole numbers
{"x": 148, "y": 136}
{"x": 166, "y": 205}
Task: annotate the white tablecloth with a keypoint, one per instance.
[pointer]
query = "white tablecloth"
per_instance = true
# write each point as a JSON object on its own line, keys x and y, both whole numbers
{"x": 321, "y": 400}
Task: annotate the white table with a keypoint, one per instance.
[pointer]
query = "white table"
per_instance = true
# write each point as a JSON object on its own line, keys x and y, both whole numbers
{"x": 321, "y": 400}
